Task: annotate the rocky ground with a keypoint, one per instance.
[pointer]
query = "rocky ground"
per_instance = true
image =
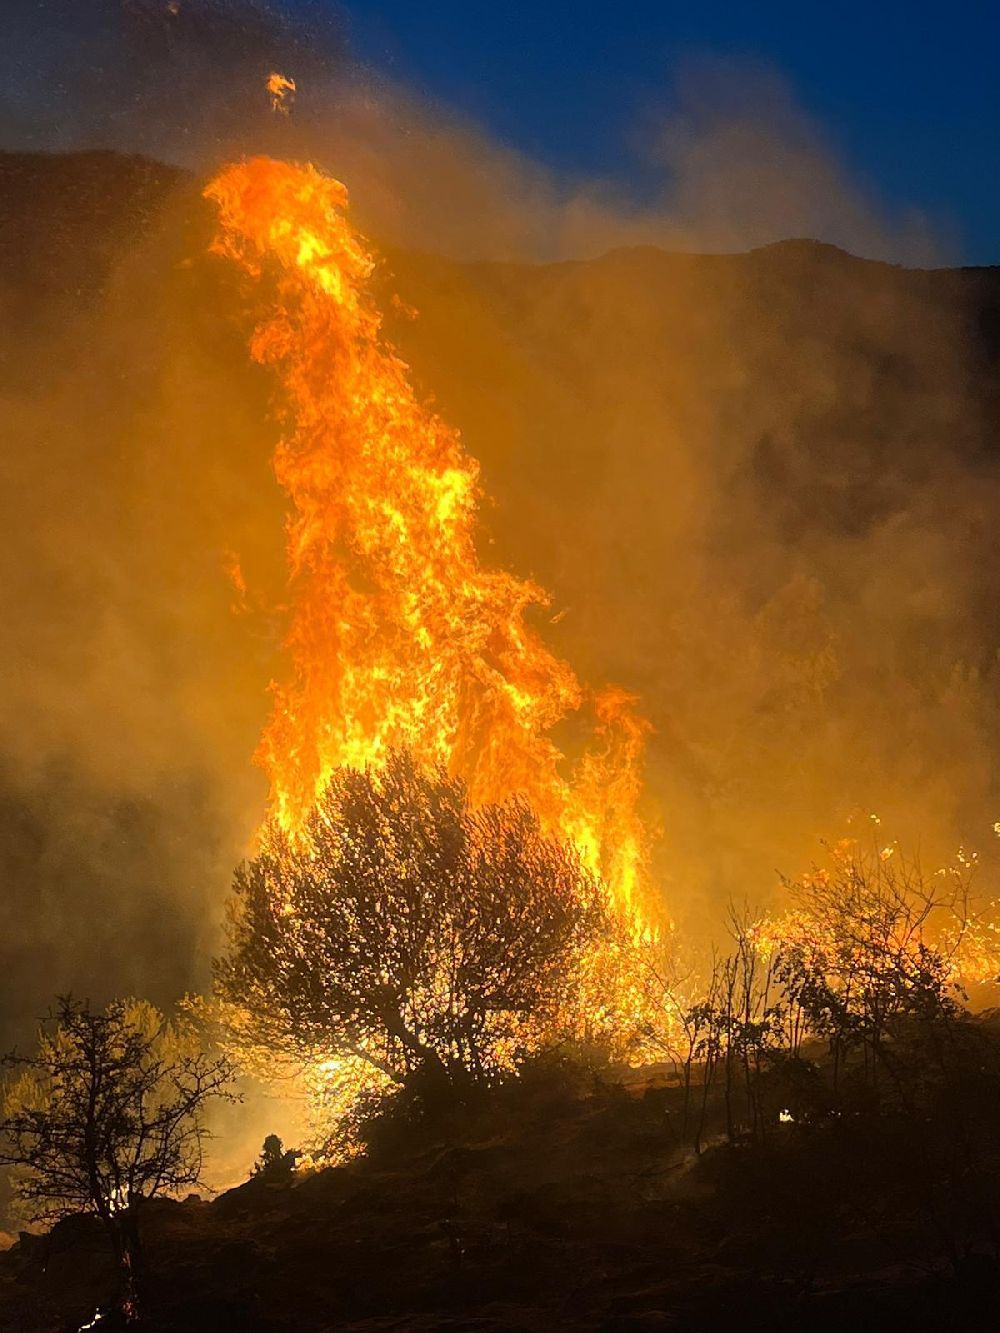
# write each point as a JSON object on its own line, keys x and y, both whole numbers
{"x": 546, "y": 1209}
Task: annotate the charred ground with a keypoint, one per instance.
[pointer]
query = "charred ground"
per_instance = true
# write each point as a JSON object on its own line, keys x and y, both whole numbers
{"x": 564, "y": 1201}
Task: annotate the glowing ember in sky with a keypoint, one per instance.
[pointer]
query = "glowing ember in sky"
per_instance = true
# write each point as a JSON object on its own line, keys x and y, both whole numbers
{"x": 282, "y": 91}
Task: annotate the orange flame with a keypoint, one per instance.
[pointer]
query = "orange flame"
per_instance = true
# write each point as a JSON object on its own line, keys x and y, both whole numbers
{"x": 282, "y": 91}
{"x": 399, "y": 636}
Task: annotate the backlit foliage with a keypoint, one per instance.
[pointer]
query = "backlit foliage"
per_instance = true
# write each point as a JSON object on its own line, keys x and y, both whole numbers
{"x": 108, "y": 1110}
{"x": 404, "y": 928}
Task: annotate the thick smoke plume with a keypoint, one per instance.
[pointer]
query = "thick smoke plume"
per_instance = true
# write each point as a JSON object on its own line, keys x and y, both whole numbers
{"x": 760, "y": 486}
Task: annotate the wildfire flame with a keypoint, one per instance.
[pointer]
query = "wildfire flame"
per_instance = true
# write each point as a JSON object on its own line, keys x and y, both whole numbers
{"x": 398, "y": 634}
{"x": 282, "y": 91}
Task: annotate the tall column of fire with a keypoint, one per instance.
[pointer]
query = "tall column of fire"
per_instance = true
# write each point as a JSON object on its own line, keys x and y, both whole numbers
{"x": 398, "y": 634}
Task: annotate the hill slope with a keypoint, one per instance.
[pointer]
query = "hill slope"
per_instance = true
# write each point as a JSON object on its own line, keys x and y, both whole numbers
{"x": 762, "y": 488}
{"x": 545, "y": 1210}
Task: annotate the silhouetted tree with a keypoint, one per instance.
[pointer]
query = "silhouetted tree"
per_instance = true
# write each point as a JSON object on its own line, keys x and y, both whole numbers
{"x": 106, "y": 1113}
{"x": 275, "y": 1163}
{"x": 409, "y": 930}
{"x": 738, "y": 1026}
{"x": 870, "y": 944}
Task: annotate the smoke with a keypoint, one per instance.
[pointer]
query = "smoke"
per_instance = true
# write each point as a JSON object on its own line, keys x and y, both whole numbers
{"x": 124, "y": 791}
{"x": 759, "y": 486}
{"x": 727, "y": 160}
{"x": 175, "y": 79}
{"x": 742, "y": 166}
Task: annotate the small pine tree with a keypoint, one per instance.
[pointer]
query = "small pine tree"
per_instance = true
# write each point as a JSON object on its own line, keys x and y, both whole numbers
{"x": 274, "y": 1163}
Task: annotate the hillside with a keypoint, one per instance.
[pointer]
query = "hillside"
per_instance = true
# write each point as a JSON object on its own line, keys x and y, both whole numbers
{"x": 784, "y": 459}
{"x": 762, "y": 490}
{"x": 553, "y": 1207}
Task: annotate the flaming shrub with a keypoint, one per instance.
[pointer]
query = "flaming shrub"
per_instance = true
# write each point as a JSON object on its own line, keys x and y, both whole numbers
{"x": 871, "y": 942}
{"x": 405, "y": 929}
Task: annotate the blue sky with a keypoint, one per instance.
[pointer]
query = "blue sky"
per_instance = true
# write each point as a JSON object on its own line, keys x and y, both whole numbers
{"x": 907, "y": 93}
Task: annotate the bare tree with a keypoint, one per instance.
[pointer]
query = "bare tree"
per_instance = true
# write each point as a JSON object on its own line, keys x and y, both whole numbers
{"x": 671, "y": 1017}
{"x": 408, "y": 930}
{"x": 736, "y": 1028}
{"x": 872, "y": 941}
{"x": 106, "y": 1113}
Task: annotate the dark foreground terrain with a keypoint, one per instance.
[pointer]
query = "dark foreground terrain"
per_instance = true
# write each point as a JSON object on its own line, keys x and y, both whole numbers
{"x": 554, "y": 1207}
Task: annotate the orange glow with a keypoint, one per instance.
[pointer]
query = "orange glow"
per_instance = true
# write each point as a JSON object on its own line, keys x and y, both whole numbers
{"x": 399, "y": 635}
{"x": 282, "y": 91}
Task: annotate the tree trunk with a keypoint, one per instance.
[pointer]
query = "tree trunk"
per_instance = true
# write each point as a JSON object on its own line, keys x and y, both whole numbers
{"x": 125, "y": 1239}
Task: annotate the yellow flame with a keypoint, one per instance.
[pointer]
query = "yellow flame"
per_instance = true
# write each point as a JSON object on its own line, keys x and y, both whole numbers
{"x": 282, "y": 91}
{"x": 399, "y": 635}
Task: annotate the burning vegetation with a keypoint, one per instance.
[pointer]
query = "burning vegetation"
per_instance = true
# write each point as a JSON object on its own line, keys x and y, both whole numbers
{"x": 406, "y": 931}
{"x": 451, "y": 893}
{"x": 399, "y": 637}
{"x": 467, "y": 887}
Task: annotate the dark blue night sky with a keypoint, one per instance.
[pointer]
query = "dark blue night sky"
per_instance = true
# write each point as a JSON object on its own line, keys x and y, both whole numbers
{"x": 907, "y": 93}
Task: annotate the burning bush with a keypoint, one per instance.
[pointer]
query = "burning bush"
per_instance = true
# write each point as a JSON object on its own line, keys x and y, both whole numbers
{"x": 872, "y": 943}
{"x": 409, "y": 931}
